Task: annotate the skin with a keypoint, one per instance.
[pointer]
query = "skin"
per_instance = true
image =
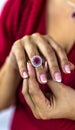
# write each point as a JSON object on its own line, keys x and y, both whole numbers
{"x": 50, "y": 43}
{"x": 9, "y": 77}
{"x": 10, "y": 72}
{"x": 59, "y": 19}
{"x": 59, "y": 104}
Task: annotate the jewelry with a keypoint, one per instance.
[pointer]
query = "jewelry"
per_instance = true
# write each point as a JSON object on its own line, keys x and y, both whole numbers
{"x": 72, "y": 4}
{"x": 36, "y": 61}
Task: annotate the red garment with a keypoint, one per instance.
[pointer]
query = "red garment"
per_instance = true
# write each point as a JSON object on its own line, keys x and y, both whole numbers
{"x": 19, "y": 18}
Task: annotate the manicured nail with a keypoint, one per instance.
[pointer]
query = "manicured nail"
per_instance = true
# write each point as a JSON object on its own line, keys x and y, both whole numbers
{"x": 43, "y": 78}
{"x": 24, "y": 75}
{"x": 57, "y": 77}
{"x": 67, "y": 69}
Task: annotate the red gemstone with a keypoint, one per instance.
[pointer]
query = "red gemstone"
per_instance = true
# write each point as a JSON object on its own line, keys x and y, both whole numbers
{"x": 73, "y": 15}
{"x": 37, "y": 60}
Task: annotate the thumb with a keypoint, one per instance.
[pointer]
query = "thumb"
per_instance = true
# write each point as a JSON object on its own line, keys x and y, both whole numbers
{"x": 55, "y": 87}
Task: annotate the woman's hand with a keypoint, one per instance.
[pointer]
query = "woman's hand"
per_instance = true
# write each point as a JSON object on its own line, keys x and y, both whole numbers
{"x": 36, "y": 44}
{"x": 59, "y": 104}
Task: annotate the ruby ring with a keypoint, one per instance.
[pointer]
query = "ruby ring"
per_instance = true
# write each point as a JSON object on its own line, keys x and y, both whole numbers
{"x": 36, "y": 61}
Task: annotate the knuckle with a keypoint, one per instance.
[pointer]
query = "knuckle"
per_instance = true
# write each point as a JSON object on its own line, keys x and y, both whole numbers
{"x": 55, "y": 67}
{"x": 26, "y": 38}
{"x": 35, "y": 35}
{"x": 64, "y": 61}
{"x": 15, "y": 45}
{"x": 40, "y": 70}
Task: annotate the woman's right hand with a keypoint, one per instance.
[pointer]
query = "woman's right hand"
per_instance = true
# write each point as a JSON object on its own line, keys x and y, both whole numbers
{"x": 56, "y": 103}
{"x": 25, "y": 48}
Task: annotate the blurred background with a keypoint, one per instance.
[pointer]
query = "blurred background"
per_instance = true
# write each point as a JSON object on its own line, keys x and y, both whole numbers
{"x": 2, "y": 2}
{"x": 6, "y": 116}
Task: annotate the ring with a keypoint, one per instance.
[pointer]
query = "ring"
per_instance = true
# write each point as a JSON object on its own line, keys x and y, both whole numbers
{"x": 36, "y": 61}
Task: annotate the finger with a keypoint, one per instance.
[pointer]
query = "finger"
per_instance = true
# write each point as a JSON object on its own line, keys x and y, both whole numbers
{"x": 28, "y": 99}
{"x": 31, "y": 70}
{"x": 34, "y": 90}
{"x": 19, "y": 53}
{"x": 62, "y": 55}
{"x": 41, "y": 74}
{"x": 56, "y": 88}
{"x": 49, "y": 55}
{"x": 31, "y": 51}
{"x": 25, "y": 92}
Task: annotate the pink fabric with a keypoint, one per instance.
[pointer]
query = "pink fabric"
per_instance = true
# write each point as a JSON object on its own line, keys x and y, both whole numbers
{"x": 19, "y": 18}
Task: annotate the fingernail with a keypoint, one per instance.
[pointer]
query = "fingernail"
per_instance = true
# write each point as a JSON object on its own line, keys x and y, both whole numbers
{"x": 57, "y": 77}
{"x": 43, "y": 78}
{"x": 24, "y": 75}
{"x": 67, "y": 69}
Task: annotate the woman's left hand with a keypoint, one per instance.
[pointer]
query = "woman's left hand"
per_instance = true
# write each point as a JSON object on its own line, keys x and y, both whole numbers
{"x": 59, "y": 104}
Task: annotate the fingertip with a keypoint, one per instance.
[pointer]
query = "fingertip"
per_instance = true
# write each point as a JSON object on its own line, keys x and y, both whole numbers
{"x": 66, "y": 68}
{"x": 24, "y": 74}
{"x": 43, "y": 78}
{"x": 57, "y": 77}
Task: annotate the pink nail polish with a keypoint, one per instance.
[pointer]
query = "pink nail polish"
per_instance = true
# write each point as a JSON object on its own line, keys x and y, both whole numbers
{"x": 58, "y": 77}
{"x": 67, "y": 69}
{"x": 24, "y": 75}
{"x": 43, "y": 78}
